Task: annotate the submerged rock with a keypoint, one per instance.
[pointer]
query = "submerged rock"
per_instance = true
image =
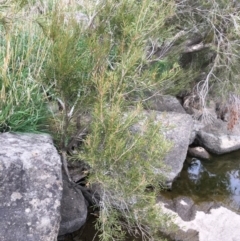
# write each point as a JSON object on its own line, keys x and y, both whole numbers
{"x": 30, "y": 188}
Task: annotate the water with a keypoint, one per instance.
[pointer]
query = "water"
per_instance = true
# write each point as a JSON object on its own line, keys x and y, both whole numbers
{"x": 89, "y": 233}
{"x": 217, "y": 179}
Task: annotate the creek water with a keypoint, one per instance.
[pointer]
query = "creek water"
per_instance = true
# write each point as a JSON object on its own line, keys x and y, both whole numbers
{"x": 217, "y": 179}
{"x": 89, "y": 233}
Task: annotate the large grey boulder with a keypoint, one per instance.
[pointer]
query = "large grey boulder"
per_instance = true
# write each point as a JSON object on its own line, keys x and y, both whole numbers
{"x": 218, "y": 139}
{"x": 177, "y": 128}
{"x": 178, "y": 131}
{"x": 197, "y": 126}
{"x": 73, "y": 208}
{"x": 30, "y": 188}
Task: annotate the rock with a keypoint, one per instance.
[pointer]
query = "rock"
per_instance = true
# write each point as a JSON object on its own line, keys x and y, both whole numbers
{"x": 198, "y": 152}
{"x": 192, "y": 105}
{"x": 183, "y": 206}
{"x": 179, "y": 134}
{"x": 190, "y": 235}
{"x": 216, "y": 137}
{"x": 78, "y": 170}
{"x": 30, "y": 188}
{"x": 197, "y": 126}
{"x": 73, "y": 208}
{"x": 164, "y": 103}
{"x": 210, "y": 220}
{"x": 177, "y": 129}
{"x": 222, "y": 111}
{"x": 213, "y": 131}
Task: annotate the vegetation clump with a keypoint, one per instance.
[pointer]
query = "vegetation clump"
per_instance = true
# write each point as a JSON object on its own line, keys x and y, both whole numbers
{"x": 98, "y": 59}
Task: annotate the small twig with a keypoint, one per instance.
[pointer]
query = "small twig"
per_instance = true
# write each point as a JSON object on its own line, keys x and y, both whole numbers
{"x": 64, "y": 164}
{"x": 61, "y": 103}
{"x": 197, "y": 47}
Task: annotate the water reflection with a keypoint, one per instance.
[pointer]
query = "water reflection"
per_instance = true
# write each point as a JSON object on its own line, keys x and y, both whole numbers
{"x": 204, "y": 180}
{"x": 195, "y": 169}
{"x": 234, "y": 185}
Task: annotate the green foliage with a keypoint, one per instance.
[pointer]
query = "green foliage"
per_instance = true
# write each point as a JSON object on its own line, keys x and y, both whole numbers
{"x": 21, "y": 112}
{"x": 218, "y": 27}
{"x": 69, "y": 61}
{"x": 102, "y": 65}
{"x": 95, "y": 65}
{"x": 22, "y": 106}
{"x": 124, "y": 163}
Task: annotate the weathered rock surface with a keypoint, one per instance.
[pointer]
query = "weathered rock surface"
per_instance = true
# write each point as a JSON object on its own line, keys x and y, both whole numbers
{"x": 198, "y": 152}
{"x": 164, "y": 103}
{"x": 177, "y": 128}
{"x": 78, "y": 170}
{"x": 197, "y": 126}
{"x": 216, "y": 138}
{"x": 206, "y": 221}
{"x": 30, "y": 188}
{"x": 73, "y": 208}
{"x": 178, "y": 131}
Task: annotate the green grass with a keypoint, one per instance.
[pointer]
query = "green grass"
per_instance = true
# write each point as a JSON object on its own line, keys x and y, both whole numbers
{"x": 23, "y": 101}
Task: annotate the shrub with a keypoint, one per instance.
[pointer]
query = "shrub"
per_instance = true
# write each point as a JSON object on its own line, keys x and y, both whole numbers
{"x": 97, "y": 66}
